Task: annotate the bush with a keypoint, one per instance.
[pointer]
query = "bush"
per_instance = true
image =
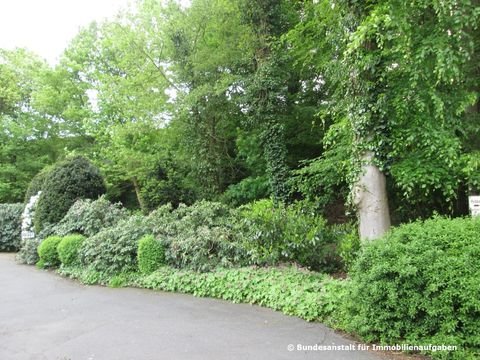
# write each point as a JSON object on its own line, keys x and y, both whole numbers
{"x": 67, "y": 182}
{"x": 28, "y": 253}
{"x": 114, "y": 249}
{"x": 349, "y": 246}
{"x": 294, "y": 233}
{"x": 36, "y": 184}
{"x": 151, "y": 254}
{"x": 68, "y": 249}
{"x": 199, "y": 237}
{"x": 10, "y": 226}
{"x": 420, "y": 285}
{"x": 88, "y": 217}
{"x": 47, "y": 251}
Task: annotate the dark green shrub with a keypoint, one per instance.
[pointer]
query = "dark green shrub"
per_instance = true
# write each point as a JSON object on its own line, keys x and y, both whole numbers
{"x": 68, "y": 249}
{"x": 36, "y": 184}
{"x": 114, "y": 249}
{"x": 151, "y": 254}
{"x": 47, "y": 252}
{"x": 294, "y": 233}
{"x": 88, "y": 217}
{"x": 67, "y": 182}
{"x": 10, "y": 226}
{"x": 420, "y": 285}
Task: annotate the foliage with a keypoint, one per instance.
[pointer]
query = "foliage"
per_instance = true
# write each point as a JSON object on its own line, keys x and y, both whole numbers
{"x": 36, "y": 184}
{"x": 199, "y": 237}
{"x": 30, "y": 137}
{"x": 247, "y": 190}
{"x": 349, "y": 246}
{"x": 69, "y": 181}
{"x": 28, "y": 253}
{"x": 294, "y": 233}
{"x": 88, "y": 217}
{"x": 47, "y": 252}
{"x": 114, "y": 249}
{"x": 419, "y": 284}
{"x": 68, "y": 249}
{"x": 310, "y": 296}
{"x": 401, "y": 73}
{"x": 150, "y": 255}
{"x": 10, "y": 226}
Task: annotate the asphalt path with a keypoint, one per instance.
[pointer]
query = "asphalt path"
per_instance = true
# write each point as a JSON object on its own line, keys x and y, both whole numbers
{"x": 46, "y": 317}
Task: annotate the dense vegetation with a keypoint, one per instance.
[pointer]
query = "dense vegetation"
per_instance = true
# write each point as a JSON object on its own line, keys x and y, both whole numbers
{"x": 232, "y": 149}
{"x": 10, "y": 226}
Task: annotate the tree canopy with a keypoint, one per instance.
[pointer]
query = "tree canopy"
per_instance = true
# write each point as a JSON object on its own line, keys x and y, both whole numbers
{"x": 246, "y": 99}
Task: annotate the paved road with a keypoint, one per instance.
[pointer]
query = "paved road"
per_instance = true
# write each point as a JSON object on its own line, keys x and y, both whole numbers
{"x": 46, "y": 317}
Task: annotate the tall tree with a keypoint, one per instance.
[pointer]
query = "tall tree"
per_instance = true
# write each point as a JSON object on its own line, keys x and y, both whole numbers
{"x": 401, "y": 73}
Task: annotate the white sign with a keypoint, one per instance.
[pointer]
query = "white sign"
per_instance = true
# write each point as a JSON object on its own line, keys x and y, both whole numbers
{"x": 474, "y": 205}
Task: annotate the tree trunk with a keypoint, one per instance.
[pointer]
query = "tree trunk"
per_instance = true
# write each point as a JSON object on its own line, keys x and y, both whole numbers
{"x": 371, "y": 200}
{"x": 140, "y": 200}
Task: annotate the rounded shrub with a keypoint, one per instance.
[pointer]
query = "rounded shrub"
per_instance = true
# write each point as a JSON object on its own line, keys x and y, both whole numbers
{"x": 420, "y": 285}
{"x": 67, "y": 182}
{"x": 68, "y": 249}
{"x": 36, "y": 184}
{"x": 10, "y": 226}
{"x": 47, "y": 251}
{"x": 150, "y": 255}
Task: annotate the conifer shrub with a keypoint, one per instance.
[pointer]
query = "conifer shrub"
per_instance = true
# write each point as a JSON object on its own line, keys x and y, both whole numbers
{"x": 67, "y": 182}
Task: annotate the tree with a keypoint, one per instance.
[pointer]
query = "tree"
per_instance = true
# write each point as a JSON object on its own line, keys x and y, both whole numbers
{"x": 401, "y": 73}
{"x": 28, "y": 139}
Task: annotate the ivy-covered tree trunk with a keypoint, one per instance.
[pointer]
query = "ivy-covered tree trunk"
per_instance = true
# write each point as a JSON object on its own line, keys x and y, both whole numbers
{"x": 371, "y": 200}
{"x": 275, "y": 153}
{"x": 266, "y": 90}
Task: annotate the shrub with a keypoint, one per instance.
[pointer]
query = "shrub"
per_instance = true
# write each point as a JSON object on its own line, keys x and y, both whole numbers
{"x": 28, "y": 253}
{"x": 349, "y": 246}
{"x": 199, "y": 237}
{"x": 420, "y": 285}
{"x": 279, "y": 233}
{"x": 47, "y": 251}
{"x": 151, "y": 254}
{"x": 10, "y": 226}
{"x": 68, "y": 249}
{"x": 114, "y": 249}
{"x": 88, "y": 217}
{"x": 36, "y": 184}
{"x": 67, "y": 182}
